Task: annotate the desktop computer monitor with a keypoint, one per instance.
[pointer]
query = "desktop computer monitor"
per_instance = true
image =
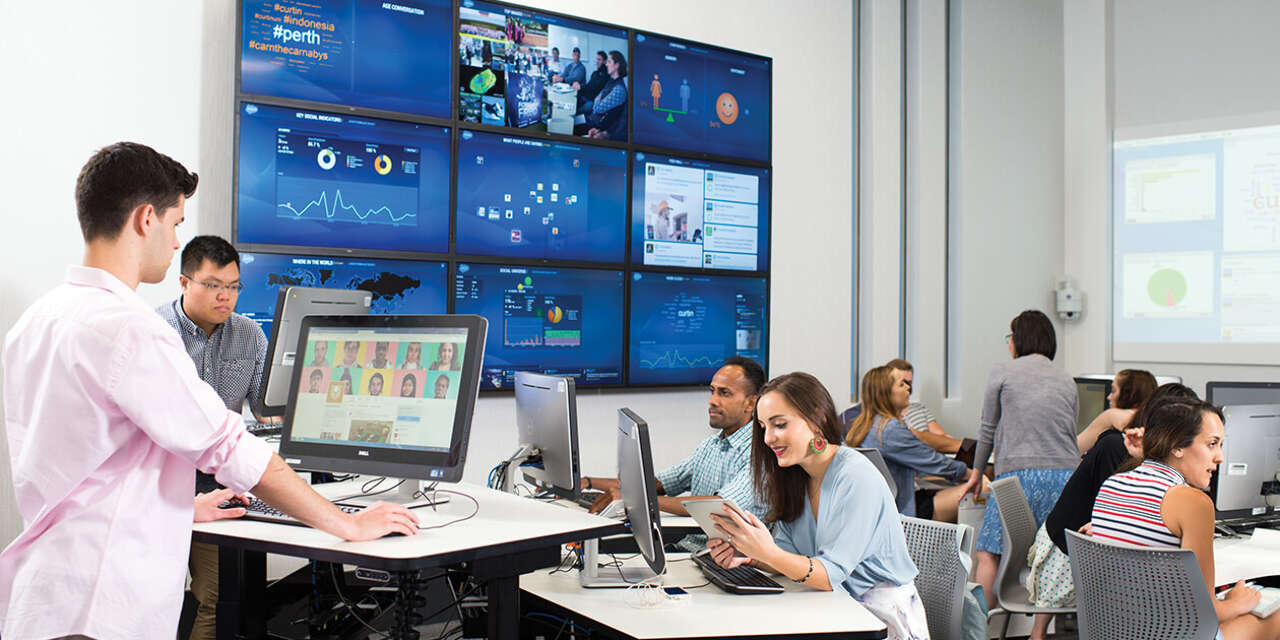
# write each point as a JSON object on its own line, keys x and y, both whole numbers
{"x": 1251, "y": 457}
{"x": 292, "y": 304}
{"x": 1222, "y": 394}
{"x": 399, "y": 410}
{"x": 1093, "y": 392}
{"x": 547, "y": 423}
{"x": 640, "y": 497}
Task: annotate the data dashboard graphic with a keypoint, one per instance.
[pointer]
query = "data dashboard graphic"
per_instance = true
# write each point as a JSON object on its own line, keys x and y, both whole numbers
{"x": 698, "y": 98}
{"x": 555, "y": 320}
{"x": 683, "y": 327}
{"x": 316, "y": 179}
{"x": 378, "y": 55}
{"x": 396, "y": 286}
{"x": 526, "y": 198}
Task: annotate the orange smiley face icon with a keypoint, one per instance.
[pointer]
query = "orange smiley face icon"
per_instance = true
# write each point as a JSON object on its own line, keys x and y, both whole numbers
{"x": 727, "y": 108}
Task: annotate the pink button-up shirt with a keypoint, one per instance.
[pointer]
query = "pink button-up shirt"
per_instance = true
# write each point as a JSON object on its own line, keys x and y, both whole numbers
{"x": 107, "y": 422}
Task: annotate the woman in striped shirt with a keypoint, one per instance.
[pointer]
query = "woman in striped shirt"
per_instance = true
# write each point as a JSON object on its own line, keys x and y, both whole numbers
{"x": 1161, "y": 503}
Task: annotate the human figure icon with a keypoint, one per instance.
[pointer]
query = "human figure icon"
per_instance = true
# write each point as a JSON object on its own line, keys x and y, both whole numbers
{"x": 685, "y": 91}
{"x": 655, "y": 90}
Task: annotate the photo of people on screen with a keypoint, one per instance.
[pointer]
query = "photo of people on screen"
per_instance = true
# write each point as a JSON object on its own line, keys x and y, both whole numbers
{"x": 369, "y": 431}
{"x": 447, "y": 358}
{"x": 670, "y": 219}
{"x": 320, "y": 354}
{"x": 408, "y": 387}
{"x": 442, "y": 387}
{"x": 411, "y": 357}
{"x": 377, "y": 354}
{"x": 315, "y": 381}
{"x": 377, "y": 383}
{"x": 350, "y": 353}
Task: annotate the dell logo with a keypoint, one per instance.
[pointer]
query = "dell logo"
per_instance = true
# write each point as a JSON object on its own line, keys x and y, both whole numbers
{"x": 362, "y": 453}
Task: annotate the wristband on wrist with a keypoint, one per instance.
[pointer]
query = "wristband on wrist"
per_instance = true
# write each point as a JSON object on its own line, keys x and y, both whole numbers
{"x": 589, "y": 483}
{"x": 810, "y": 573}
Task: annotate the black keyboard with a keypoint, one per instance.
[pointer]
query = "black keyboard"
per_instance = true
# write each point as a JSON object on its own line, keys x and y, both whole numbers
{"x": 587, "y": 497}
{"x": 264, "y": 429}
{"x": 259, "y": 510}
{"x": 742, "y": 580}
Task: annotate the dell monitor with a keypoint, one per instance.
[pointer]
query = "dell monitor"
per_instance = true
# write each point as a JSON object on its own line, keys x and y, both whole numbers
{"x": 400, "y": 407}
{"x": 547, "y": 423}
{"x": 1093, "y": 392}
{"x": 640, "y": 496}
{"x": 292, "y": 305}
{"x": 1222, "y": 394}
{"x": 1251, "y": 458}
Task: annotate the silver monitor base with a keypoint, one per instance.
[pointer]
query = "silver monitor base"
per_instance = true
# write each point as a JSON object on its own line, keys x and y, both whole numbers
{"x": 593, "y": 576}
{"x": 409, "y": 494}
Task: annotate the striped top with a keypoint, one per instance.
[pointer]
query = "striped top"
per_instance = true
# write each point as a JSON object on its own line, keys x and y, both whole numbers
{"x": 1128, "y": 506}
{"x": 917, "y": 416}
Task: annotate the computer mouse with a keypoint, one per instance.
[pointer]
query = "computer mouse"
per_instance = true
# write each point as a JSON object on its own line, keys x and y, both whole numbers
{"x": 234, "y": 503}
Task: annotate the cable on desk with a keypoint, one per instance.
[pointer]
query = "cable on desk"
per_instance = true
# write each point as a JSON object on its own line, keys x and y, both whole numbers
{"x": 368, "y": 488}
{"x": 469, "y": 516}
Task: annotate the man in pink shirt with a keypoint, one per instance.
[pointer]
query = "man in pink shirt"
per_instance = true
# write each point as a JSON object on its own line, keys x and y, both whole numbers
{"x": 106, "y": 420}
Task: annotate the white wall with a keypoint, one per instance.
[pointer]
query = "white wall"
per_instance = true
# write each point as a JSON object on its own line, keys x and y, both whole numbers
{"x": 1147, "y": 62}
{"x": 160, "y": 73}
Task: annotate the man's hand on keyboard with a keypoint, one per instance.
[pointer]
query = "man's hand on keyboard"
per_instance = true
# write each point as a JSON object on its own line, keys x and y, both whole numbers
{"x": 206, "y": 508}
{"x": 380, "y": 519}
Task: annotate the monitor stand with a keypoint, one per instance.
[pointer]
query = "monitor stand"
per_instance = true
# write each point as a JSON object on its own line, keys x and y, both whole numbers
{"x": 593, "y": 576}
{"x": 409, "y": 493}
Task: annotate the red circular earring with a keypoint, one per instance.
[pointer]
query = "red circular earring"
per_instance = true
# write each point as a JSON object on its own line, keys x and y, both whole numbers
{"x": 818, "y": 444}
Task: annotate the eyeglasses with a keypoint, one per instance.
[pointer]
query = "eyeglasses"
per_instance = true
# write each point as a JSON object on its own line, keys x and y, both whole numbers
{"x": 1008, "y": 336}
{"x": 214, "y": 287}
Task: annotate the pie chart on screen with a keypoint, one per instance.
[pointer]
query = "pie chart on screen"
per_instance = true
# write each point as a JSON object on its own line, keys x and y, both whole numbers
{"x": 554, "y": 315}
{"x": 1167, "y": 287}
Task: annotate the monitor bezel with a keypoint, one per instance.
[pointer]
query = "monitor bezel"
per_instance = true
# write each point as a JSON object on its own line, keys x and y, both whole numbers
{"x": 380, "y": 461}
{"x": 645, "y": 518}
{"x": 1213, "y": 385}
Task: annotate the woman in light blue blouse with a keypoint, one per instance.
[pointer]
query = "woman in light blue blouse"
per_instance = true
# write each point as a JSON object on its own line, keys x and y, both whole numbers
{"x": 835, "y": 525}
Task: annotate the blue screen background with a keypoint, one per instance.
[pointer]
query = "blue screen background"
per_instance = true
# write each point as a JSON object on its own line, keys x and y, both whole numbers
{"x": 398, "y": 286}
{"x": 710, "y": 72}
{"x": 493, "y": 166}
{"x": 291, "y": 199}
{"x": 684, "y": 326}
{"x": 488, "y": 290}
{"x": 638, "y": 203}
{"x": 375, "y": 57}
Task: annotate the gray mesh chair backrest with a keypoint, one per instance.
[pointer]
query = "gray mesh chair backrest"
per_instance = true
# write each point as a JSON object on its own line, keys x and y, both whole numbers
{"x": 878, "y": 460}
{"x": 1019, "y": 526}
{"x": 1132, "y": 593}
{"x": 935, "y": 548}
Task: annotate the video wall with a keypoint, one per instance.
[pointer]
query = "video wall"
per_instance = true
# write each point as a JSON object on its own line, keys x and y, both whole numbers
{"x": 600, "y": 194}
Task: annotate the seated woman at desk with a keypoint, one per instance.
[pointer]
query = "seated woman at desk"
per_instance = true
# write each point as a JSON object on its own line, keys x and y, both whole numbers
{"x": 1129, "y": 389}
{"x": 1049, "y": 582}
{"x": 1182, "y": 445}
{"x": 836, "y": 525}
{"x": 885, "y": 395}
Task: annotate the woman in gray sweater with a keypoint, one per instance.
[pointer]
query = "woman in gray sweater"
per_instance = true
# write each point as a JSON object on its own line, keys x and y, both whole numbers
{"x": 1029, "y": 418}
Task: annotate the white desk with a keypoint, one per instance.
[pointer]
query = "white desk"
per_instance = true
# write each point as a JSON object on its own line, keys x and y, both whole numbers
{"x": 1244, "y": 558}
{"x": 800, "y": 612}
{"x": 508, "y": 536}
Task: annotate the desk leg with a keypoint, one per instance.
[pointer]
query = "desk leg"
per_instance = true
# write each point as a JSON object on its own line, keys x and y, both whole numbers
{"x": 504, "y": 608}
{"x": 408, "y": 601}
{"x": 242, "y": 580}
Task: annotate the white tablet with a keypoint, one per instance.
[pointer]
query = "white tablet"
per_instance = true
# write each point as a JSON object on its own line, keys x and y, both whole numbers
{"x": 702, "y": 508}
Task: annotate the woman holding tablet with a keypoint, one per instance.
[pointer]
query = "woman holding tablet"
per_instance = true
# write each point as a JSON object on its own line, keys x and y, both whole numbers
{"x": 836, "y": 523}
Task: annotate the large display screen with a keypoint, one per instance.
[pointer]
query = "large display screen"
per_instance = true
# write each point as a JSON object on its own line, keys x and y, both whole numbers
{"x": 317, "y": 179}
{"x": 398, "y": 286}
{"x": 1196, "y": 235}
{"x": 684, "y": 326}
{"x": 392, "y": 56}
{"x": 525, "y": 198}
{"x": 697, "y": 214}
{"x": 693, "y": 97}
{"x": 560, "y": 321}
{"x": 530, "y": 70}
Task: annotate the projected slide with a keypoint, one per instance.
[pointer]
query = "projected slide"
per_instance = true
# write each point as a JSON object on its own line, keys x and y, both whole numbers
{"x": 365, "y": 53}
{"x": 525, "y": 198}
{"x": 560, "y": 321}
{"x": 315, "y": 179}
{"x": 693, "y": 97}
{"x": 525, "y": 69}
{"x": 397, "y": 286}
{"x": 698, "y": 214}
{"x": 1196, "y": 234}
{"x": 683, "y": 327}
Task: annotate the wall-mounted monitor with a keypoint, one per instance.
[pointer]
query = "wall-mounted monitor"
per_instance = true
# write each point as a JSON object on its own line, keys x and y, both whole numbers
{"x": 397, "y": 286}
{"x": 390, "y": 56}
{"x": 699, "y": 214}
{"x": 684, "y": 326}
{"x": 554, "y": 320}
{"x": 695, "y": 97}
{"x": 525, "y": 198}
{"x": 538, "y": 71}
{"x": 318, "y": 179}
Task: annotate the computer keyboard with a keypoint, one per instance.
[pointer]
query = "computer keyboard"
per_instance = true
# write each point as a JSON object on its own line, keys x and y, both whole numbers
{"x": 587, "y": 497}
{"x": 742, "y": 580}
{"x": 264, "y": 429}
{"x": 1269, "y": 602}
{"x": 259, "y": 510}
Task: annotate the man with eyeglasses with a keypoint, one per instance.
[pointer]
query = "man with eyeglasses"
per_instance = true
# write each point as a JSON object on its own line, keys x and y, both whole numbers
{"x": 228, "y": 350}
